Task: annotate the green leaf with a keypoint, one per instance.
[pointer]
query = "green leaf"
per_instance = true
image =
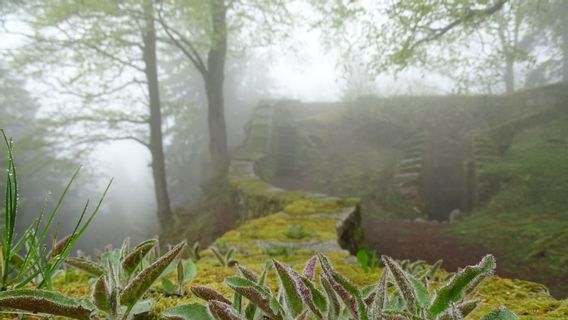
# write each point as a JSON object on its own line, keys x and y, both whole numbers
{"x": 380, "y": 297}
{"x": 316, "y": 301}
{"x": 465, "y": 308}
{"x": 422, "y": 293}
{"x": 142, "y": 307}
{"x": 48, "y": 302}
{"x": 194, "y": 311}
{"x": 58, "y": 247}
{"x": 143, "y": 280}
{"x": 501, "y": 313}
{"x": 133, "y": 259}
{"x": 208, "y": 294}
{"x": 332, "y": 300}
{"x": 454, "y": 290}
{"x": 256, "y": 294}
{"x": 402, "y": 281}
{"x": 189, "y": 270}
{"x": 101, "y": 295}
{"x": 289, "y": 281}
{"x": 248, "y": 273}
{"x": 363, "y": 259}
{"x": 86, "y": 265}
{"x": 222, "y": 311}
{"x": 169, "y": 286}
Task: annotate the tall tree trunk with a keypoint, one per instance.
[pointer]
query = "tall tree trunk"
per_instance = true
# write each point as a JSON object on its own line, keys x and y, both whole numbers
{"x": 156, "y": 141}
{"x": 509, "y": 76}
{"x": 214, "y": 79}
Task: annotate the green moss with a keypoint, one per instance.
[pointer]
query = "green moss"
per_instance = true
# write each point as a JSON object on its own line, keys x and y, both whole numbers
{"x": 311, "y": 206}
{"x": 274, "y": 227}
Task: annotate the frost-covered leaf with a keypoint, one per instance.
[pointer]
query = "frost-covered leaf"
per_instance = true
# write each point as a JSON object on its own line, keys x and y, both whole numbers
{"x": 101, "y": 295}
{"x": 133, "y": 259}
{"x": 402, "y": 281}
{"x": 257, "y": 295}
{"x": 143, "y": 280}
{"x": 379, "y": 297}
{"x": 454, "y": 290}
{"x": 59, "y": 246}
{"x": 86, "y": 265}
{"x": 248, "y": 273}
{"x": 465, "y": 308}
{"x": 194, "y": 311}
{"x": 208, "y": 294}
{"x": 48, "y": 302}
{"x": 293, "y": 294}
{"x": 222, "y": 311}
{"x": 310, "y": 268}
{"x": 334, "y": 307}
{"x": 316, "y": 300}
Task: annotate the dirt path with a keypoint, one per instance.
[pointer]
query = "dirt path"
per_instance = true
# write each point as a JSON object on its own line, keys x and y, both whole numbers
{"x": 406, "y": 239}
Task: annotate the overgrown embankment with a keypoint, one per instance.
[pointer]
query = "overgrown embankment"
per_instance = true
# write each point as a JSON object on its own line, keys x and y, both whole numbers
{"x": 523, "y": 210}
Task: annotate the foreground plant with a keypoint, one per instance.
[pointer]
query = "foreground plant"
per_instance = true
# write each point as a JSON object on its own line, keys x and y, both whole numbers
{"x": 122, "y": 279}
{"x": 398, "y": 295}
{"x": 27, "y": 260}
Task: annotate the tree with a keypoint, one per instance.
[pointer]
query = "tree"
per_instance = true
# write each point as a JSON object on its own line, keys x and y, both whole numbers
{"x": 395, "y": 35}
{"x": 201, "y": 30}
{"x": 550, "y": 22}
{"x": 113, "y": 44}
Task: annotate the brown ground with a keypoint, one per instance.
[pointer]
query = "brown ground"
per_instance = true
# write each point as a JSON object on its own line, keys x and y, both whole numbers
{"x": 406, "y": 239}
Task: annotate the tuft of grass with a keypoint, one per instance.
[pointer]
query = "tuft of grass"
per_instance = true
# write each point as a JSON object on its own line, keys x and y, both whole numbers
{"x": 298, "y": 232}
{"x": 27, "y": 260}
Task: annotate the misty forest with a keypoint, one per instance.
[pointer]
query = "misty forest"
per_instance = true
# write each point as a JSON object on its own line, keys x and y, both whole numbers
{"x": 284, "y": 159}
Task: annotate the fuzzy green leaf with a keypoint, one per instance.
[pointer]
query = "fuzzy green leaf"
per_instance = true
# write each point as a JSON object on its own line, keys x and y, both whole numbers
{"x": 257, "y": 295}
{"x": 86, "y": 265}
{"x": 143, "y": 280}
{"x": 192, "y": 311}
{"x": 248, "y": 273}
{"x": 189, "y": 270}
{"x": 316, "y": 301}
{"x": 48, "y": 302}
{"x": 222, "y": 311}
{"x": 169, "y": 287}
{"x": 402, "y": 281}
{"x": 310, "y": 268}
{"x": 58, "y": 247}
{"x": 379, "y": 297}
{"x": 208, "y": 294}
{"x": 465, "y": 308}
{"x": 101, "y": 295}
{"x": 133, "y": 259}
{"x": 333, "y": 302}
{"x": 454, "y": 290}
{"x": 293, "y": 295}
{"x": 500, "y": 314}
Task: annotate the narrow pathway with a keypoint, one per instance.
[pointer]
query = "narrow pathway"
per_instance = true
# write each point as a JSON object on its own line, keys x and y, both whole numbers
{"x": 407, "y": 239}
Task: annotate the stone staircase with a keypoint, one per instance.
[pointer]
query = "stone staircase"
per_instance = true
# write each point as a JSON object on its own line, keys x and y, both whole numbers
{"x": 408, "y": 179}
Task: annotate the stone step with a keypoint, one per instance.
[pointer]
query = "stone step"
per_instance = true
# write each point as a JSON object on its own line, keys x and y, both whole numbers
{"x": 405, "y": 177}
{"x": 411, "y": 161}
{"x": 410, "y": 169}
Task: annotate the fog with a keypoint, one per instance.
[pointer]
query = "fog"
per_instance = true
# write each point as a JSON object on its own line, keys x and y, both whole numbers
{"x": 160, "y": 96}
